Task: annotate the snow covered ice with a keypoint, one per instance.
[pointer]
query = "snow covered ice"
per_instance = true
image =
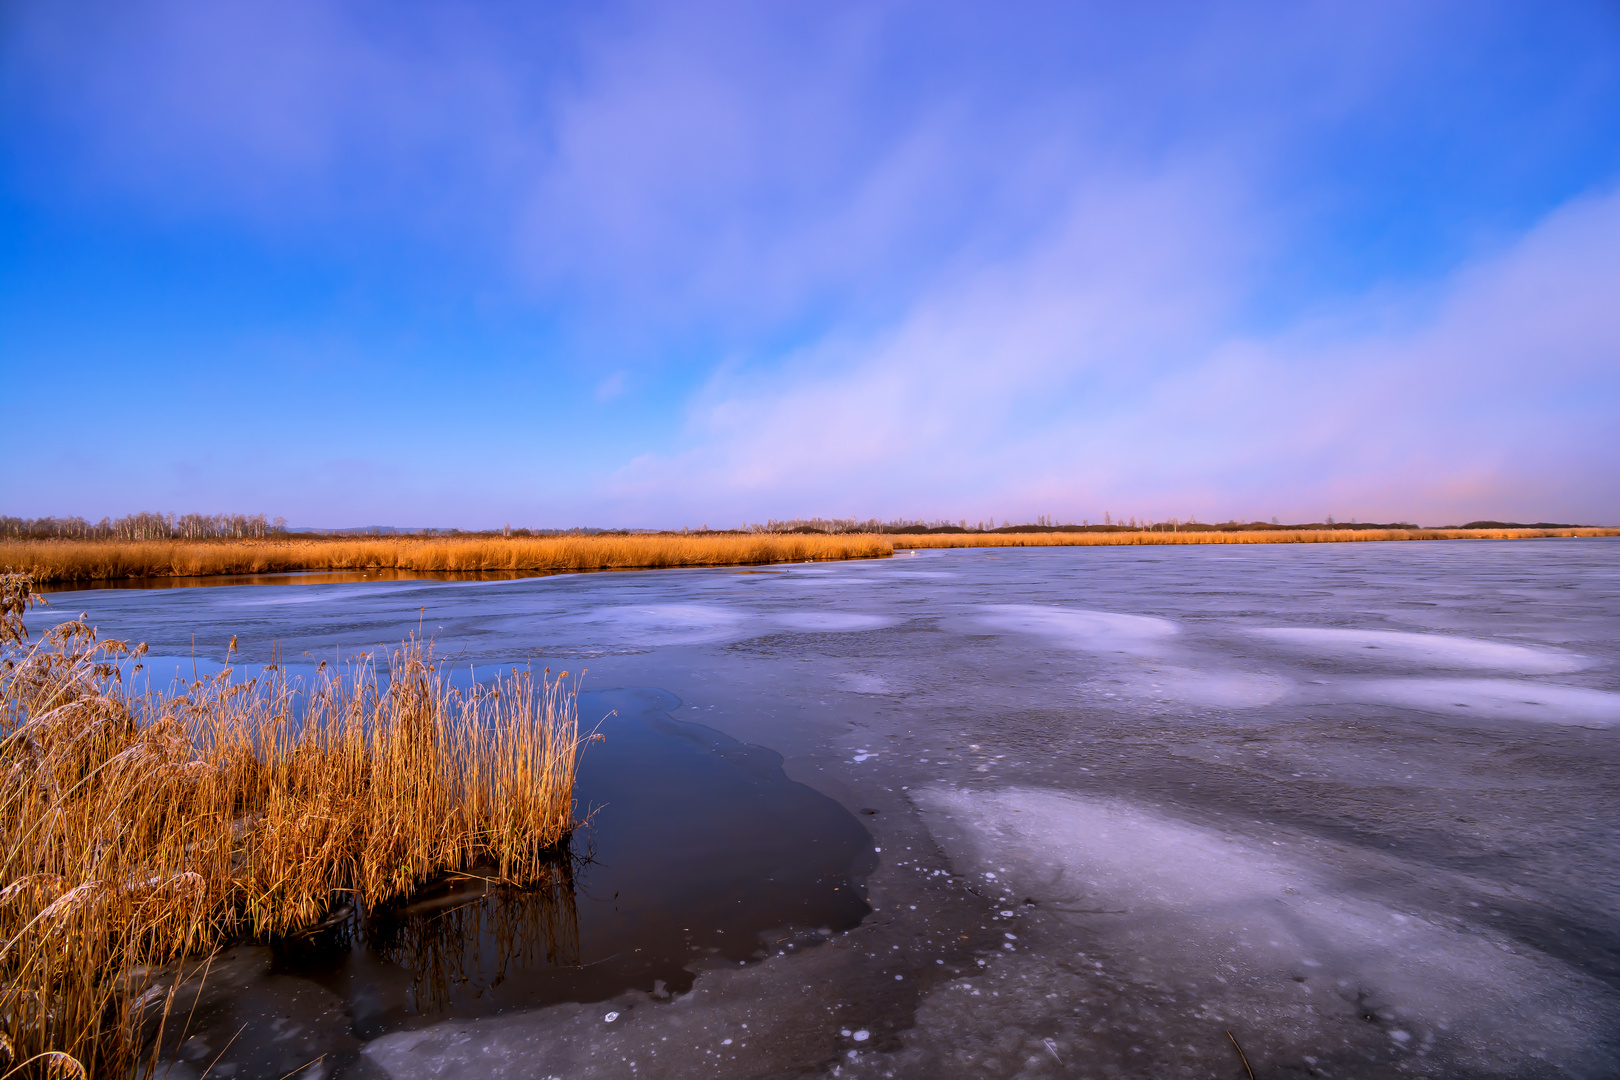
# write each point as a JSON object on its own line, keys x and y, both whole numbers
{"x": 1220, "y": 927}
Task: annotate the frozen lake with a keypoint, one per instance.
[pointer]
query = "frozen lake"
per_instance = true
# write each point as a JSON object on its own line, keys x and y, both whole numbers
{"x": 1354, "y": 803}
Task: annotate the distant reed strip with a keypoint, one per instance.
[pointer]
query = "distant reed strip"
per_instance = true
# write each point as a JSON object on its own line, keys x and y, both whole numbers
{"x": 137, "y": 831}
{"x": 63, "y": 561}
{"x": 53, "y": 561}
{"x": 1269, "y": 536}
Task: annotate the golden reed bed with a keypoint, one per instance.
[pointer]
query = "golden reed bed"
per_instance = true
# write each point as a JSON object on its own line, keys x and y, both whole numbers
{"x": 52, "y": 561}
{"x": 141, "y": 831}
{"x": 62, "y": 561}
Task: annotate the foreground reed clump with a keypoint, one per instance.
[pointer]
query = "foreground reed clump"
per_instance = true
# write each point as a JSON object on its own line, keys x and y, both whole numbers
{"x": 50, "y": 561}
{"x": 140, "y": 831}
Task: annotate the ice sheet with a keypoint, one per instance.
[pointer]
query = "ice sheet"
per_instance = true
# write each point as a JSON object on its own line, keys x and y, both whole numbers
{"x": 1189, "y": 686}
{"x": 1504, "y": 699}
{"x": 668, "y": 624}
{"x": 832, "y": 621}
{"x": 857, "y": 682}
{"x": 1078, "y": 628}
{"x": 1422, "y": 650}
{"x": 1229, "y": 920}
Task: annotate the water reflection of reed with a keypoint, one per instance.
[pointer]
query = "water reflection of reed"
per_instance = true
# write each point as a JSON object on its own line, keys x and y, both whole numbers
{"x": 469, "y": 935}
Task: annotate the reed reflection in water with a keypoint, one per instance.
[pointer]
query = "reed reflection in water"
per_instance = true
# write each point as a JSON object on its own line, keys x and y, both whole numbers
{"x": 472, "y": 935}
{"x": 456, "y": 938}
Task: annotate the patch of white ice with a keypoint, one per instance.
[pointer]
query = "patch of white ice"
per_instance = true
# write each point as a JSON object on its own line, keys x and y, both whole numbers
{"x": 1210, "y": 689}
{"x": 862, "y": 683}
{"x": 668, "y": 623}
{"x": 290, "y": 597}
{"x": 908, "y": 574}
{"x": 1424, "y": 650}
{"x": 1506, "y": 699}
{"x": 832, "y": 621}
{"x": 1079, "y": 628}
{"x": 1239, "y": 923}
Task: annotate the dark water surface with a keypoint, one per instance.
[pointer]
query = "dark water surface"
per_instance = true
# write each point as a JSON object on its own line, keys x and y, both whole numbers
{"x": 698, "y": 851}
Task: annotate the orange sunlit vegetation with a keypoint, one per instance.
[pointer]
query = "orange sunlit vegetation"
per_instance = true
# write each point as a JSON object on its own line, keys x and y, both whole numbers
{"x": 141, "y": 830}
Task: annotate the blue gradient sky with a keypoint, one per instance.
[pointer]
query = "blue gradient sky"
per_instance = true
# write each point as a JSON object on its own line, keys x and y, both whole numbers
{"x": 673, "y": 264}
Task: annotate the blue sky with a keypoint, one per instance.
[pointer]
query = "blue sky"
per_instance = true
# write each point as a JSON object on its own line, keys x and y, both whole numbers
{"x": 674, "y": 264}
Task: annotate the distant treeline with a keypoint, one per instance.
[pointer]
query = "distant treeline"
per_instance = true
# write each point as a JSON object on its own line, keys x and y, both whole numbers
{"x": 244, "y": 527}
{"x": 226, "y": 527}
{"x": 144, "y": 527}
{"x": 257, "y": 526}
{"x": 1047, "y": 524}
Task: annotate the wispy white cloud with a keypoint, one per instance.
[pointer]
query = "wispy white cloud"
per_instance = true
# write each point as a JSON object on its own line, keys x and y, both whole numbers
{"x": 1095, "y": 375}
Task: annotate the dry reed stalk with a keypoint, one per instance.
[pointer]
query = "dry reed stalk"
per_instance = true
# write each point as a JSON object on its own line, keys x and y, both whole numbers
{"x": 139, "y": 830}
{"x": 1299, "y": 536}
{"x": 48, "y": 561}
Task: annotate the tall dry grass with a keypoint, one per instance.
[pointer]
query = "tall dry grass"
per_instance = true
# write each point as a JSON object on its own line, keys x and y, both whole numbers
{"x": 1279, "y": 536}
{"x": 139, "y": 830}
{"x": 50, "y": 561}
